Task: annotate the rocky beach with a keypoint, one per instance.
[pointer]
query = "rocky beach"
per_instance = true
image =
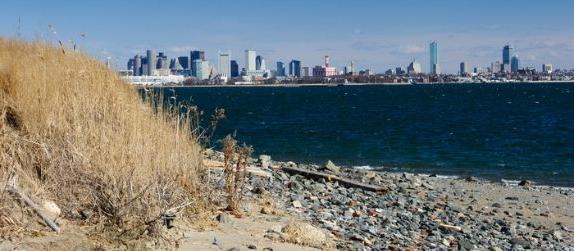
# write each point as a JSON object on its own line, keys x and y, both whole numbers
{"x": 376, "y": 210}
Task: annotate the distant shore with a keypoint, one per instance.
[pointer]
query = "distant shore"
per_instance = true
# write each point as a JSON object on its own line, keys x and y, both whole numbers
{"x": 359, "y": 84}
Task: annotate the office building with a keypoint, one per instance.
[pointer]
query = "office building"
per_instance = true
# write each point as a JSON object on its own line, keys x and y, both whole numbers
{"x": 258, "y": 60}
{"x": 151, "y": 62}
{"x": 137, "y": 65}
{"x": 547, "y": 68}
{"x": 514, "y": 64}
{"x": 224, "y": 65}
{"x": 400, "y": 71}
{"x": 280, "y": 70}
{"x": 184, "y": 62}
{"x": 462, "y": 69}
{"x": 195, "y": 55}
{"x": 234, "y": 69}
{"x": 305, "y": 71}
{"x": 434, "y": 59}
{"x": 201, "y": 69}
{"x": 295, "y": 68}
{"x": 414, "y": 68}
{"x": 496, "y": 67}
{"x": 250, "y": 60}
{"x": 506, "y": 52}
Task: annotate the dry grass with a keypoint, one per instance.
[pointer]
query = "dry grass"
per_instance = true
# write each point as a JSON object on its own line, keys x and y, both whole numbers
{"x": 75, "y": 133}
{"x": 235, "y": 170}
{"x": 304, "y": 234}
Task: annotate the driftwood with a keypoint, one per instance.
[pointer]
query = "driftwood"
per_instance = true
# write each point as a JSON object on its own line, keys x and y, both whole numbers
{"x": 331, "y": 177}
{"x": 13, "y": 188}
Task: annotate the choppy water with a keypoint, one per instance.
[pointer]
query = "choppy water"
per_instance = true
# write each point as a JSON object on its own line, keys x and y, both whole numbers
{"x": 498, "y": 131}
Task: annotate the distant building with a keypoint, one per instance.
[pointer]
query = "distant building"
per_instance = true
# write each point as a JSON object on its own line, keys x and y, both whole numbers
{"x": 506, "y": 52}
{"x": 434, "y": 59}
{"x": 295, "y": 68}
{"x": 224, "y": 65}
{"x": 250, "y": 60}
{"x": 151, "y": 62}
{"x": 201, "y": 69}
{"x": 547, "y": 68}
{"x": 514, "y": 64}
{"x": 280, "y": 70}
{"x": 305, "y": 71}
{"x": 258, "y": 60}
{"x": 137, "y": 66}
{"x": 390, "y": 72}
{"x": 185, "y": 62}
{"x": 400, "y": 71}
{"x": 462, "y": 69}
{"x": 325, "y": 70}
{"x": 234, "y": 69}
{"x": 195, "y": 55}
{"x": 414, "y": 68}
{"x": 496, "y": 67}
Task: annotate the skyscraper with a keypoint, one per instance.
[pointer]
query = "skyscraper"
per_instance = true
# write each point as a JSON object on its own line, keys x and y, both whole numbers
{"x": 434, "y": 67}
{"x": 514, "y": 64}
{"x": 201, "y": 69}
{"x": 194, "y": 55}
{"x": 250, "y": 61}
{"x": 184, "y": 62}
{"x": 462, "y": 70}
{"x": 295, "y": 68}
{"x": 137, "y": 65}
{"x": 224, "y": 65}
{"x": 151, "y": 62}
{"x": 280, "y": 69}
{"x": 506, "y": 52}
{"x": 414, "y": 67}
{"x": 258, "y": 60}
{"x": 234, "y": 69}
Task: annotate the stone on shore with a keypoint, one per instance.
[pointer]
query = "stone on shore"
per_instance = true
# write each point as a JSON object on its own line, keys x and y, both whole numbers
{"x": 330, "y": 166}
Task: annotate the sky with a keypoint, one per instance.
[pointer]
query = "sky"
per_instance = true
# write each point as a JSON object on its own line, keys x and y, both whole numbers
{"x": 375, "y": 34}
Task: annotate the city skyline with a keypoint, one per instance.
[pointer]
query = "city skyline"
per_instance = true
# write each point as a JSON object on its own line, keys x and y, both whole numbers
{"x": 374, "y": 41}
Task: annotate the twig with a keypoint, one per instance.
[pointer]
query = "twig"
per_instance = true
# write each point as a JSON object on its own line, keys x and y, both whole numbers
{"x": 13, "y": 188}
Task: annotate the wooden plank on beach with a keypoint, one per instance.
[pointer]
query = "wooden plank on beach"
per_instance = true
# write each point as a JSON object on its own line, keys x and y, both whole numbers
{"x": 333, "y": 178}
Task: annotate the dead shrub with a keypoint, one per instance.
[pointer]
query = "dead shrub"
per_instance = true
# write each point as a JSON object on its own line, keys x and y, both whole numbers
{"x": 235, "y": 170}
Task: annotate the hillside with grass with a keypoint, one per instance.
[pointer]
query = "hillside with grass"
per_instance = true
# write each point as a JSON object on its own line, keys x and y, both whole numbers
{"x": 86, "y": 149}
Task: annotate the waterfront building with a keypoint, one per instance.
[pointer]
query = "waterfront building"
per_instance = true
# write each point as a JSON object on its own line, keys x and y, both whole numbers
{"x": 184, "y": 62}
{"x": 324, "y": 71}
{"x": 162, "y": 63}
{"x": 414, "y": 68}
{"x": 174, "y": 66}
{"x": 547, "y": 68}
{"x": 514, "y": 64}
{"x": 390, "y": 72}
{"x": 195, "y": 55}
{"x": 462, "y": 69}
{"x": 506, "y": 52}
{"x": 496, "y": 67}
{"x": 234, "y": 69}
{"x": 280, "y": 70}
{"x": 224, "y": 65}
{"x": 434, "y": 58}
{"x": 251, "y": 71}
{"x": 201, "y": 69}
{"x": 305, "y": 71}
{"x": 130, "y": 65}
{"x": 151, "y": 62}
{"x": 295, "y": 68}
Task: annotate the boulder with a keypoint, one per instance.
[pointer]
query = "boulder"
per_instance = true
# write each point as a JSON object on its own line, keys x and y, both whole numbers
{"x": 330, "y": 166}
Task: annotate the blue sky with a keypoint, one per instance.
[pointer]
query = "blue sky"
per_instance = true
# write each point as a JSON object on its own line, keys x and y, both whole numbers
{"x": 376, "y": 34}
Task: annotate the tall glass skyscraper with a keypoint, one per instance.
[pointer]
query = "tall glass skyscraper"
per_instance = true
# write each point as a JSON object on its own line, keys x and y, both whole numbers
{"x": 295, "y": 68}
{"x": 506, "y": 52}
{"x": 234, "y": 68}
{"x": 280, "y": 69}
{"x": 224, "y": 66}
{"x": 514, "y": 64}
{"x": 250, "y": 64}
{"x": 434, "y": 68}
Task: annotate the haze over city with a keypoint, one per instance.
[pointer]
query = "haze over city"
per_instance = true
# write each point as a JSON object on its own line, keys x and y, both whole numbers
{"x": 377, "y": 35}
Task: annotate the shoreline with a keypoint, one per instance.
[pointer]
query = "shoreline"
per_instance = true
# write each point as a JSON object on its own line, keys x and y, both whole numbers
{"x": 416, "y": 211}
{"x": 356, "y": 84}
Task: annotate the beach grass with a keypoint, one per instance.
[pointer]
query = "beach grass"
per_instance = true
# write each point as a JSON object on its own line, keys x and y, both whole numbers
{"x": 74, "y": 133}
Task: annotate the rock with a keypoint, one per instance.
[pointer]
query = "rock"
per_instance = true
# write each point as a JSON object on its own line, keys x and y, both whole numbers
{"x": 251, "y": 246}
{"x": 520, "y": 242}
{"x": 86, "y": 213}
{"x": 497, "y": 205}
{"x": 267, "y": 249}
{"x": 557, "y": 235}
{"x": 546, "y": 214}
{"x": 303, "y": 233}
{"x": 51, "y": 209}
{"x": 495, "y": 248}
{"x": 223, "y": 218}
{"x": 331, "y": 167}
{"x": 450, "y": 228}
{"x": 471, "y": 179}
{"x": 215, "y": 241}
{"x": 297, "y": 204}
{"x": 525, "y": 183}
{"x": 265, "y": 161}
{"x": 233, "y": 249}
{"x": 514, "y": 198}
